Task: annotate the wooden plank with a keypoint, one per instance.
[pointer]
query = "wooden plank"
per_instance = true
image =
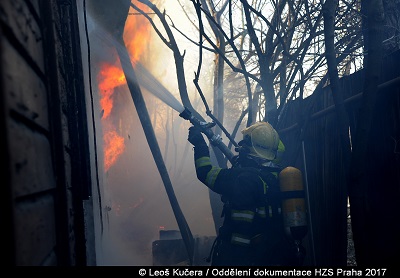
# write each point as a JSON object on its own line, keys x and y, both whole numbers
{"x": 35, "y": 230}
{"x": 51, "y": 260}
{"x": 24, "y": 90}
{"x": 36, "y": 7}
{"x": 24, "y": 28}
{"x": 30, "y": 160}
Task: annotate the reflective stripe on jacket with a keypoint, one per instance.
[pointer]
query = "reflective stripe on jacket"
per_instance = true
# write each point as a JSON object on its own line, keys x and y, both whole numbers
{"x": 244, "y": 192}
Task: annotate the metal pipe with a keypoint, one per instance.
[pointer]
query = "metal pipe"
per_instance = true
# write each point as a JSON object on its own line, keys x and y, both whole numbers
{"x": 308, "y": 201}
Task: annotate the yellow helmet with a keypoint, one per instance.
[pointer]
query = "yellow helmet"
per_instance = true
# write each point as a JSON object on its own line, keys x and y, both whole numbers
{"x": 279, "y": 153}
{"x": 264, "y": 140}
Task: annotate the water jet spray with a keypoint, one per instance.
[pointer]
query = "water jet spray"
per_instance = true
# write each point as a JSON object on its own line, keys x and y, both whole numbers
{"x": 151, "y": 84}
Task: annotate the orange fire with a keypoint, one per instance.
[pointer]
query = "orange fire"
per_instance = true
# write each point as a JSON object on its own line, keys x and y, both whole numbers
{"x": 114, "y": 146}
{"x": 136, "y": 37}
{"x": 137, "y": 33}
{"x": 110, "y": 77}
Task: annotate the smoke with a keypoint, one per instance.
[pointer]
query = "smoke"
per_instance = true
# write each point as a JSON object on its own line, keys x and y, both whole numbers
{"x": 131, "y": 204}
{"x": 137, "y": 207}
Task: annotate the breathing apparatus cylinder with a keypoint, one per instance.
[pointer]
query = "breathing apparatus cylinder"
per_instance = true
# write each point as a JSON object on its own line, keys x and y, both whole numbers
{"x": 293, "y": 203}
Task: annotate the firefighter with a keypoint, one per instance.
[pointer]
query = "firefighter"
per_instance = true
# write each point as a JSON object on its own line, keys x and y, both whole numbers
{"x": 252, "y": 232}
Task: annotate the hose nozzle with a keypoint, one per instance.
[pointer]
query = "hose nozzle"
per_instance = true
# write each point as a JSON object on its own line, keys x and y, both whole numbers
{"x": 186, "y": 114}
{"x": 205, "y": 128}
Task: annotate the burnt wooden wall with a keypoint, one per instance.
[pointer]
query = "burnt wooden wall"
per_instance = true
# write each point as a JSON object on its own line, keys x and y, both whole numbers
{"x": 43, "y": 148}
{"x": 325, "y": 171}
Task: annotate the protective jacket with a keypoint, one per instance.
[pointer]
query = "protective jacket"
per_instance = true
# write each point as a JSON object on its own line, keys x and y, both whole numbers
{"x": 252, "y": 231}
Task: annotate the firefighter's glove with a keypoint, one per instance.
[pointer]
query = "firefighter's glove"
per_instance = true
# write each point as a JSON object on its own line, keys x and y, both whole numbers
{"x": 196, "y": 137}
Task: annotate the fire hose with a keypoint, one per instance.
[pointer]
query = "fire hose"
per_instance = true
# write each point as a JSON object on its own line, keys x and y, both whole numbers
{"x": 205, "y": 128}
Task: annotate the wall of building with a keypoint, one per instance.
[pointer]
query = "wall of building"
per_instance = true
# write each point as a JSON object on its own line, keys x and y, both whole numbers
{"x": 44, "y": 149}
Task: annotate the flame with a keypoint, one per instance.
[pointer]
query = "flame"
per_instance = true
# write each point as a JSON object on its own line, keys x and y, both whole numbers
{"x": 110, "y": 77}
{"x": 114, "y": 146}
{"x": 136, "y": 37}
{"x": 137, "y": 32}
